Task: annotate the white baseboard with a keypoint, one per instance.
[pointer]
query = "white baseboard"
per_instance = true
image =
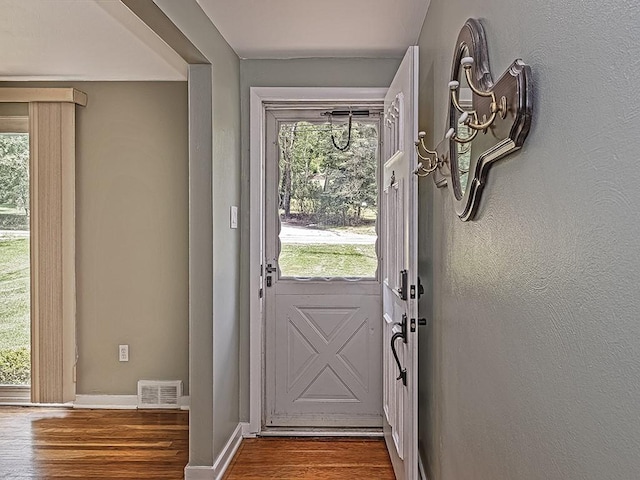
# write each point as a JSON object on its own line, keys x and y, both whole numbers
{"x": 421, "y": 471}
{"x": 112, "y": 402}
{"x": 222, "y": 462}
{"x": 198, "y": 473}
{"x": 224, "y": 459}
{"x": 117, "y": 402}
{"x": 321, "y": 432}
{"x": 41, "y": 405}
{"x": 246, "y": 430}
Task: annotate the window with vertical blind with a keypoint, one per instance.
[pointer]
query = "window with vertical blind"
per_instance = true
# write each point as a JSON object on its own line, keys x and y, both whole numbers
{"x": 52, "y": 243}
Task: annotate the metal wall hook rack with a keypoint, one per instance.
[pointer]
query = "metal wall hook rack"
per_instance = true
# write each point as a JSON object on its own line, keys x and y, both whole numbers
{"x": 501, "y": 110}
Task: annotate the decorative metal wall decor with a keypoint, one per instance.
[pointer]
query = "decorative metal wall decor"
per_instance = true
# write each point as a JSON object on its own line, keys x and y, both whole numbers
{"x": 487, "y": 121}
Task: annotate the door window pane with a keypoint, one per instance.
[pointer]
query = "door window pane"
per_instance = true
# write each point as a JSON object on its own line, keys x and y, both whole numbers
{"x": 15, "y": 346}
{"x": 328, "y": 199}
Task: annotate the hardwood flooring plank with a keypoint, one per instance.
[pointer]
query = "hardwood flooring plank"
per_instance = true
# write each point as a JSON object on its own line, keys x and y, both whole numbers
{"x": 45, "y": 443}
{"x": 311, "y": 459}
{"x": 57, "y": 444}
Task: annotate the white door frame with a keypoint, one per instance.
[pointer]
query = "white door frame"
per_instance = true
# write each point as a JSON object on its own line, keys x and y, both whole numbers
{"x": 258, "y": 97}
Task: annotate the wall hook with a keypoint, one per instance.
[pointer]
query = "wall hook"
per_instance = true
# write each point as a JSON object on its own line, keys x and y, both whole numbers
{"x": 470, "y": 117}
{"x": 345, "y": 147}
{"x": 430, "y": 157}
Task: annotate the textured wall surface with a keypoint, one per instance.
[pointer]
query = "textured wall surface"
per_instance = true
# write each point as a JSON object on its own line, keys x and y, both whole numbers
{"x": 530, "y": 365}
{"x": 308, "y": 72}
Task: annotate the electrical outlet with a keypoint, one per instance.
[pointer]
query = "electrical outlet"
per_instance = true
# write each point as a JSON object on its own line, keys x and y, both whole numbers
{"x": 123, "y": 353}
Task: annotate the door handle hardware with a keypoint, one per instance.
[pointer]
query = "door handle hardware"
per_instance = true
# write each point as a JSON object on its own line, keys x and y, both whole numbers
{"x": 421, "y": 322}
{"x": 403, "y": 335}
{"x": 269, "y": 281}
{"x": 420, "y": 290}
{"x": 270, "y": 268}
{"x": 403, "y": 371}
{"x": 404, "y": 284}
{"x": 403, "y": 327}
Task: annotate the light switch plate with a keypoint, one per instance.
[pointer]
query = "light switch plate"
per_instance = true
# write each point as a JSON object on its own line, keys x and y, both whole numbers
{"x": 233, "y": 217}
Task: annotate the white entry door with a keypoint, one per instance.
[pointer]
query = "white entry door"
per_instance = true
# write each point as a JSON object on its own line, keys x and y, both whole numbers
{"x": 400, "y": 287}
{"x": 322, "y": 288}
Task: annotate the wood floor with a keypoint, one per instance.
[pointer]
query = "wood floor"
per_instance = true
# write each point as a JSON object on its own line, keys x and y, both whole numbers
{"x": 311, "y": 459}
{"x": 39, "y": 443}
{"x": 55, "y": 443}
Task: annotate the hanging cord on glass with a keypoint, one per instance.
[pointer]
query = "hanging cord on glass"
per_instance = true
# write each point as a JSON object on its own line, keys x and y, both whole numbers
{"x": 333, "y": 138}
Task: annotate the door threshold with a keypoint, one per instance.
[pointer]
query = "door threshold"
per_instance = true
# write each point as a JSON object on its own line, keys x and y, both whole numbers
{"x": 373, "y": 432}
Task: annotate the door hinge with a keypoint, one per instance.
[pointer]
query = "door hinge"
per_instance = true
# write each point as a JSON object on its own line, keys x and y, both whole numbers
{"x": 260, "y": 293}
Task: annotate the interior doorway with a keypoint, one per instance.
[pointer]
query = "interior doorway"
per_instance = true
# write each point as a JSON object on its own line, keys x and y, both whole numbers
{"x": 261, "y": 98}
{"x": 322, "y": 288}
{"x": 390, "y": 286}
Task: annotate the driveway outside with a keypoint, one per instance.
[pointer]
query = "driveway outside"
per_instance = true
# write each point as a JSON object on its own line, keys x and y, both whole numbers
{"x": 309, "y": 235}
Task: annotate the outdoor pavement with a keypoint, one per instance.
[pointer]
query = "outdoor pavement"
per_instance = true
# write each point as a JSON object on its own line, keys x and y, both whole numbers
{"x": 14, "y": 234}
{"x": 298, "y": 234}
{"x": 288, "y": 234}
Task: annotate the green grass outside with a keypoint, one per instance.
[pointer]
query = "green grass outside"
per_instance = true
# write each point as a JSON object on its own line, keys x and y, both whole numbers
{"x": 326, "y": 260}
{"x": 14, "y": 311}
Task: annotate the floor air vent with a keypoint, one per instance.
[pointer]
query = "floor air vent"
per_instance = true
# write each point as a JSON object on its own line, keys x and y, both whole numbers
{"x": 159, "y": 393}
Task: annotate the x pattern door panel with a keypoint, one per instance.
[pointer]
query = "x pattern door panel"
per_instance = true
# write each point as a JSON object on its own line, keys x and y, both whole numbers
{"x": 327, "y": 361}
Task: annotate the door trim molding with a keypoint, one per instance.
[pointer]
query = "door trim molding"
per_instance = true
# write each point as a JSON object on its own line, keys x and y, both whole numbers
{"x": 258, "y": 96}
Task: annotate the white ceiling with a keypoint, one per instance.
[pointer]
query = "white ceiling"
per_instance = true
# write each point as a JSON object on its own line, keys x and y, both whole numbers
{"x": 103, "y": 40}
{"x": 81, "y": 40}
{"x": 318, "y": 28}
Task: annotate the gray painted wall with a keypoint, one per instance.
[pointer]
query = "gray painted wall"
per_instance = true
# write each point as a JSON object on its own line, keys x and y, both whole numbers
{"x": 530, "y": 366}
{"x": 214, "y": 423}
{"x": 308, "y": 72}
{"x": 131, "y": 233}
{"x": 200, "y": 265}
